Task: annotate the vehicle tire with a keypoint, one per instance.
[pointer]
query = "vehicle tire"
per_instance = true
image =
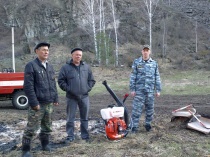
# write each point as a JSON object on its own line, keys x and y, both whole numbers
{"x": 20, "y": 100}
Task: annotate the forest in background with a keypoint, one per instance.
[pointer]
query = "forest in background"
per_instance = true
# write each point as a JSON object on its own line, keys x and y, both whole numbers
{"x": 111, "y": 32}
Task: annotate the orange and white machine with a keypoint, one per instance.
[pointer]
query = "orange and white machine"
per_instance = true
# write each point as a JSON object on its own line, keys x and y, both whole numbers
{"x": 115, "y": 117}
{"x": 115, "y": 126}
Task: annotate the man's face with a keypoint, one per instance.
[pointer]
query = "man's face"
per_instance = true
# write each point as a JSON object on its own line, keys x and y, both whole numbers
{"x": 77, "y": 56}
{"x": 43, "y": 53}
{"x": 145, "y": 53}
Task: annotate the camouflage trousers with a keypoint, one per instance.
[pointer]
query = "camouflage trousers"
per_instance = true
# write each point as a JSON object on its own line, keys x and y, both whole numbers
{"x": 142, "y": 100}
{"x": 41, "y": 119}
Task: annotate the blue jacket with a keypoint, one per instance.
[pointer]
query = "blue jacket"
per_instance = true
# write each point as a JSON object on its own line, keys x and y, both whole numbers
{"x": 76, "y": 81}
{"x": 145, "y": 76}
{"x": 39, "y": 83}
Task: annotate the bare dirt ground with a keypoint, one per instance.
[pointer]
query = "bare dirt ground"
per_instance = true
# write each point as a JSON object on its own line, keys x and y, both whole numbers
{"x": 167, "y": 136}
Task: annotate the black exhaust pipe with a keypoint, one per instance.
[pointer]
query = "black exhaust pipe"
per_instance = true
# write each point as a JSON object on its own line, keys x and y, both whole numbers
{"x": 119, "y": 103}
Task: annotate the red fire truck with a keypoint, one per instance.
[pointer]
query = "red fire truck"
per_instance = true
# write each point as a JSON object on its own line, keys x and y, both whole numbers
{"x": 11, "y": 87}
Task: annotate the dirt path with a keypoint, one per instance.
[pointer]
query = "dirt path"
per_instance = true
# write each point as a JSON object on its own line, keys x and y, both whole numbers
{"x": 163, "y": 105}
{"x": 164, "y": 130}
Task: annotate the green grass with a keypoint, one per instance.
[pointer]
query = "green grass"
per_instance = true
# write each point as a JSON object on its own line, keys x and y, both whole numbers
{"x": 186, "y": 83}
{"x": 60, "y": 91}
{"x": 100, "y": 88}
{"x": 118, "y": 85}
{"x": 173, "y": 83}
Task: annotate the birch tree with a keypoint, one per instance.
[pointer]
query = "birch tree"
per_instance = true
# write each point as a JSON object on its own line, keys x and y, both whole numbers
{"x": 89, "y": 9}
{"x": 100, "y": 31}
{"x": 93, "y": 14}
{"x": 149, "y": 6}
{"x": 102, "y": 46}
{"x": 196, "y": 36}
{"x": 165, "y": 19}
{"x": 104, "y": 35}
{"x": 164, "y": 36}
{"x": 116, "y": 39}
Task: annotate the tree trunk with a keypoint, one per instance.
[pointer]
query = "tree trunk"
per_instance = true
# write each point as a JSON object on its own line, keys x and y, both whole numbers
{"x": 116, "y": 40}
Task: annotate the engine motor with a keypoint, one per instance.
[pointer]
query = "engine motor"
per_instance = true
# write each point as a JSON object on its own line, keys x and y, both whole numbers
{"x": 115, "y": 126}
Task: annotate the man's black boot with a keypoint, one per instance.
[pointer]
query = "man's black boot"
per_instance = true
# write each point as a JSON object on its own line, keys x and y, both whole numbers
{"x": 26, "y": 147}
{"x": 44, "y": 138}
{"x": 148, "y": 127}
{"x": 134, "y": 130}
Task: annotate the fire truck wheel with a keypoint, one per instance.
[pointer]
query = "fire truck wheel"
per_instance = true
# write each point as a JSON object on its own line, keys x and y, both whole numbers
{"x": 20, "y": 100}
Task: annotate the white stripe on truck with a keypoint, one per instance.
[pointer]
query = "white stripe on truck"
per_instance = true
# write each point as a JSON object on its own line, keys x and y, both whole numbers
{"x": 11, "y": 83}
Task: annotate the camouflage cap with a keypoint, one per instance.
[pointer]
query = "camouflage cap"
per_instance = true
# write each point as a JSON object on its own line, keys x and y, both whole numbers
{"x": 146, "y": 47}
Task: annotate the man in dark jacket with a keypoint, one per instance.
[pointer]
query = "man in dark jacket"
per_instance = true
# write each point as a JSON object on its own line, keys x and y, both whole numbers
{"x": 40, "y": 88}
{"x": 76, "y": 78}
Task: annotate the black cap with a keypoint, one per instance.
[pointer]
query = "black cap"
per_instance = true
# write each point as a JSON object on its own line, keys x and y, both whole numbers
{"x": 40, "y": 45}
{"x": 76, "y": 49}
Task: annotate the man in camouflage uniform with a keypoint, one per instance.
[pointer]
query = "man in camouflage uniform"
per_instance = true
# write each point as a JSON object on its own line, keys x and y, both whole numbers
{"x": 144, "y": 84}
{"x": 40, "y": 88}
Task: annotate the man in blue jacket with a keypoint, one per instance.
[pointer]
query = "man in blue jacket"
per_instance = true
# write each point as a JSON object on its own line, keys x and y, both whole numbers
{"x": 76, "y": 78}
{"x": 145, "y": 83}
{"x": 40, "y": 88}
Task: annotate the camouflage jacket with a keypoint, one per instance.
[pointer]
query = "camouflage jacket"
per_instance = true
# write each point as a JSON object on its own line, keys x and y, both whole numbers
{"x": 145, "y": 76}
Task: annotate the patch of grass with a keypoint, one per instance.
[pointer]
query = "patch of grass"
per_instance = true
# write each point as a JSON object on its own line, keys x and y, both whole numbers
{"x": 117, "y": 85}
{"x": 60, "y": 91}
{"x": 166, "y": 149}
{"x": 186, "y": 90}
{"x": 173, "y": 83}
{"x": 186, "y": 83}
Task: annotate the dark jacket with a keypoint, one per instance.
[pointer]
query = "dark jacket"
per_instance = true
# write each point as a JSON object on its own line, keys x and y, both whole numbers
{"x": 39, "y": 83}
{"x": 76, "y": 81}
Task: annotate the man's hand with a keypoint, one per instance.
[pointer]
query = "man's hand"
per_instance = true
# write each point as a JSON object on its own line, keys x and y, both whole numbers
{"x": 157, "y": 94}
{"x": 55, "y": 103}
{"x": 133, "y": 94}
{"x": 36, "y": 108}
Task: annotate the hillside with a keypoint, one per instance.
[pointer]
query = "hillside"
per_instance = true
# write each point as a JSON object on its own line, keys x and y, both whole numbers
{"x": 180, "y": 30}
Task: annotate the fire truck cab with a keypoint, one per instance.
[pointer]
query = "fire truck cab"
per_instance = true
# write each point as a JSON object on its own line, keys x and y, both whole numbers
{"x": 11, "y": 88}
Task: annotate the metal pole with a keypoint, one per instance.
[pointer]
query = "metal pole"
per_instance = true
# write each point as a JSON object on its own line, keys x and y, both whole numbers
{"x": 150, "y": 25}
{"x": 13, "y": 50}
